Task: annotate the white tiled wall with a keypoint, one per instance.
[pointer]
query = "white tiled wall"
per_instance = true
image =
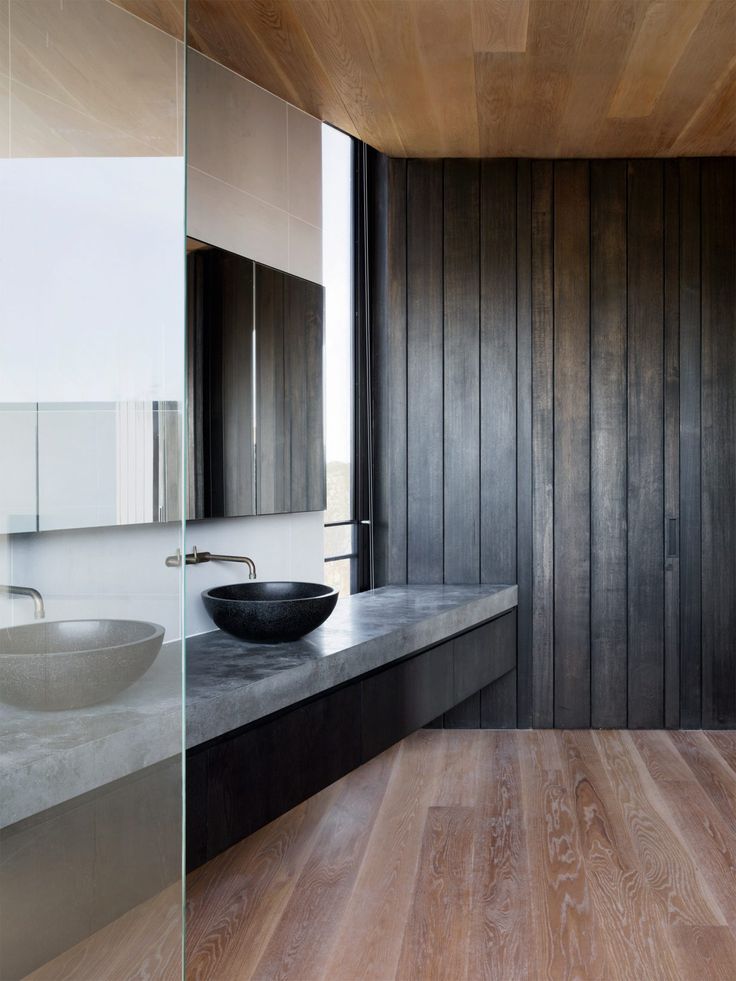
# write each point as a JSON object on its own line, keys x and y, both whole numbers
{"x": 255, "y": 171}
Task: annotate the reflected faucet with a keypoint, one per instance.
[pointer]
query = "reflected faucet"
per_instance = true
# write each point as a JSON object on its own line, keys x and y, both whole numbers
{"x": 38, "y": 608}
{"x": 196, "y": 558}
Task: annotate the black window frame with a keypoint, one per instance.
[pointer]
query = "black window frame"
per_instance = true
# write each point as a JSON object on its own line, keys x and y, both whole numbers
{"x": 361, "y": 556}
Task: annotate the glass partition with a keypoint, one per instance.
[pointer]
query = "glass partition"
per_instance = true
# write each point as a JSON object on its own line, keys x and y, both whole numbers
{"x": 92, "y": 350}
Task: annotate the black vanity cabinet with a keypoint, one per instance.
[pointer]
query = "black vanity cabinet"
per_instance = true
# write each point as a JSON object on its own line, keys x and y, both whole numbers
{"x": 244, "y": 779}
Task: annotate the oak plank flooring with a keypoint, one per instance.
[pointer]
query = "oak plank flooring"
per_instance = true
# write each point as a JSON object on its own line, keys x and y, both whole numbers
{"x": 481, "y": 854}
{"x": 696, "y": 816}
{"x": 632, "y": 924}
{"x": 499, "y": 924}
{"x": 668, "y": 863}
{"x": 144, "y": 943}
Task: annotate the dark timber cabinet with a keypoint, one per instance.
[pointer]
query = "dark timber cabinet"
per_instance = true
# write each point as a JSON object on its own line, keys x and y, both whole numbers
{"x": 238, "y": 310}
{"x": 405, "y": 697}
{"x": 243, "y": 780}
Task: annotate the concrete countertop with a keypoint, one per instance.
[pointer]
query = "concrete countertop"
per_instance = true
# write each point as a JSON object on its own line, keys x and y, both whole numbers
{"x": 47, "y": 758}
{"x": 230, "y": 684}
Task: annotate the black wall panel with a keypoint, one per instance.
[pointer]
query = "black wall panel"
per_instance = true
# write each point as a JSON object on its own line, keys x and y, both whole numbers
{"x": 645, "y": 483}
{"x": 577, "y": 318}
{"x": 571, "y": 503}
{"x": 425, "y": 374}
{"x": 718, "y": 448}
{"x": 608, "y": 511}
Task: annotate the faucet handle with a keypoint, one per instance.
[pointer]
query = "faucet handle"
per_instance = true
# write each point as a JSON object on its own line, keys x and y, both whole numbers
{"x": 174, "y": 561}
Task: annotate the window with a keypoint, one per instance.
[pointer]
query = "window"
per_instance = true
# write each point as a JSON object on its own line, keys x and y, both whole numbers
{"x": 346, "y": 523}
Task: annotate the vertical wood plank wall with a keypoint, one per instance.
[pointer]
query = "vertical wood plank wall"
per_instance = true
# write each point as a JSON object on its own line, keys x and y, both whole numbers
{"x": 554, "y": 368}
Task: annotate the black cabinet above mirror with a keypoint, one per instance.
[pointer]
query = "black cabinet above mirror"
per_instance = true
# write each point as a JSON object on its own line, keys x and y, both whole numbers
{"x": 254, "y": 379}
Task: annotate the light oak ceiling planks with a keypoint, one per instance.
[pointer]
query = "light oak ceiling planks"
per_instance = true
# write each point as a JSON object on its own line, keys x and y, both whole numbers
{"x": 662, "y": 37}
{"x": 500, "y": 25}
{"x": 437, "y": 78}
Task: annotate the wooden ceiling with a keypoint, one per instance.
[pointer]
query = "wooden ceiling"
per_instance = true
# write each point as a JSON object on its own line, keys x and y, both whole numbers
{"x": 492, "y": 78}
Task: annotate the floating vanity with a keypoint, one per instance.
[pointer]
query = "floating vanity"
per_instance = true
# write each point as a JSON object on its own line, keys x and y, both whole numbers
{"x": 270, "y": 725}
{"x": 267, "y": 725}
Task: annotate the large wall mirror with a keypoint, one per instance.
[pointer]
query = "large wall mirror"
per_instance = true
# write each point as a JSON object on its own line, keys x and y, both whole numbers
{"x": 89, "y": 464}
{"x": 254, "y": 426}
{"x": 255, "y": 352}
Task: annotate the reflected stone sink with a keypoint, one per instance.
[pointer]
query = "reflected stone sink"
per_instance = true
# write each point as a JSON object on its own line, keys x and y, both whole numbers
{"x": 270, "y": 612}
{"x": 67, "y": 664}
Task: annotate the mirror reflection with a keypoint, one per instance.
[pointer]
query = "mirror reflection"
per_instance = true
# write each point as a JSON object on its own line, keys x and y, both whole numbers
{"x": 255, "y": 352}
{"x": 254, "y": 427}
{"x": 89, "y": 464}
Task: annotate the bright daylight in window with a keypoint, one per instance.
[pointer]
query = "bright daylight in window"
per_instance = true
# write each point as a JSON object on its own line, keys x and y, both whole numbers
{"x": 337, "y": 256}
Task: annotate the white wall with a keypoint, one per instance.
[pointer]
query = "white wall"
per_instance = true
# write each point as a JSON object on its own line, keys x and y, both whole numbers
{"x": 255, "y": 188}
{"x": 121, "y": 572}
{"x": 254, "y": 171}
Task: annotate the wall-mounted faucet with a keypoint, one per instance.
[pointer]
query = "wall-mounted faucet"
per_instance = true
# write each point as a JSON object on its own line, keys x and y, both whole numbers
{"x": 196, "y": 557}
{"x": 38, "y": 608}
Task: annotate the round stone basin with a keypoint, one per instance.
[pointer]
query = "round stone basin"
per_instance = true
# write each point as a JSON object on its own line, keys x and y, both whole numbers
{"x": 270, "y": 612}
{"x": 66, "y": 664}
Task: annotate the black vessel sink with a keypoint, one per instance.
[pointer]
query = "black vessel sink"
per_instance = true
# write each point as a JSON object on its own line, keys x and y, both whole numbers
{"x": 270, "y": 612}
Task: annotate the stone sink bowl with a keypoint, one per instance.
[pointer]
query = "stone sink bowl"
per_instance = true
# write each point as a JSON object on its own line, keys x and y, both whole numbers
{"x": 270, "y": 612}
{"x": 68, "y": 664}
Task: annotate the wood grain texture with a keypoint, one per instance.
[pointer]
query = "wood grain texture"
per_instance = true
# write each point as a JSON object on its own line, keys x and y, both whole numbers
{"x": 645, "y": 477}
{"x": 572, "y": 444}
{"x": 669, "y": 865}
{"x": 498, "y": 703}
{"x": 467, "y": 855}
{"x": 690, "y": 446}
{"x": 388, "y": 225}
{"x": 498, "y": 371}
{"x": 524, "y": 437}
{"x": 718, "y": 448}
{"x": 619, "y": 892}
{"x": 672, "y": 444}
{"x": 590, "y": 296}
{"x": 435, "y": 941}
{"x": 563, "y": 916}
{"x": 145, "y": 943}
{"x": 664, "y": 34}
{"x": 462, "y": 370}
{"x": 542, "y": 446}
{"x": 425, "y": 375}
{"x": 695, "y": 814}
{"x": 500, "y": 78}
{"x": 273, "y": 448}
{"x": 608, "y": 518}
{"x": 499, "y": 923}
{"x": 311, "y": 916}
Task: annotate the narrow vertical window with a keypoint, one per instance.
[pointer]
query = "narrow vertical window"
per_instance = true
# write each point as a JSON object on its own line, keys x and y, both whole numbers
{"x": 338, "y": 265}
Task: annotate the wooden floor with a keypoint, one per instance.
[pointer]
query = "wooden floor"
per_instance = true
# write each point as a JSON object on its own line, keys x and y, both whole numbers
{"x": 499, "y": 855}
{"x": 143, "y": 944}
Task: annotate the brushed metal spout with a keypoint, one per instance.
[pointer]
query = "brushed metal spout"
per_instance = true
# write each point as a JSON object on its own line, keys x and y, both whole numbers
{"x": 195, "y": 557}
{"x": 39, "y": 611}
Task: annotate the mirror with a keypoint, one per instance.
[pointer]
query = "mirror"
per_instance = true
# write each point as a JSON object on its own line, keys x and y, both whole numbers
{"x": 254, "y": 425}
{"x": 255, "y": 350}
{"x": 89, "y": 464}
{"x": 220, "y": 388}
{"x": 18, "y": 434}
